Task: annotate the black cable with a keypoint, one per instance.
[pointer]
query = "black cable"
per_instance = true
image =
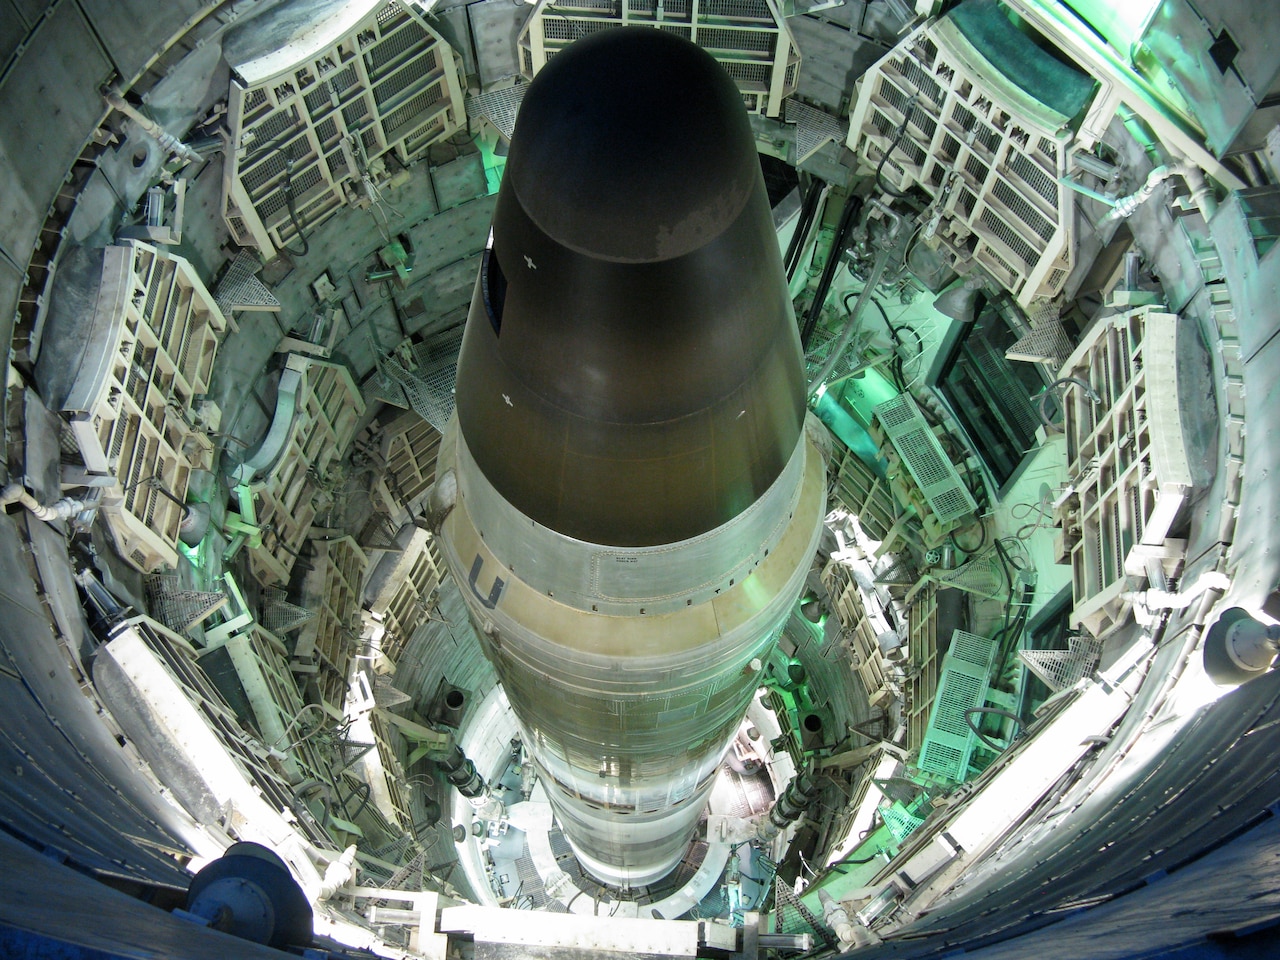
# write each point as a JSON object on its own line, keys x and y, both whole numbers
{"x": 291, "y": 205}
{"x": 853, "y": 863}
{"x": 982, "y": 542}
{"x": 900, "y": 364}
{"x": 897, "y": 140}
{"x": 803, "y": 223}
{"x": 290, "y": 202}
{"x": 968, "y": 719}
{"x": 896, "y": 369}
{"x": 364, "y": 802}
{"x": 902, "y": 326}
{"x": 1006, "y": 565}
{"x": 1007, "y": 639}
{"x": 980, "y": 494}
{"x": 876, "y": 303}
{"x": 848, "y": 217}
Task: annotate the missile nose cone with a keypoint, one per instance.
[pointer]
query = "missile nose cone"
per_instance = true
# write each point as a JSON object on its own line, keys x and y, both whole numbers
{"x": 633, "y": 146}
{"x": 631, "y": 372}
{"x": 637, "y": 501}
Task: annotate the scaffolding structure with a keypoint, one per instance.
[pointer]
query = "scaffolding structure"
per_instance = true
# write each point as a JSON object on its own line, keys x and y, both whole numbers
{"x": 749, "y": 38}
{"x": 132, "y": 412}
{"x": 311, "y": 134}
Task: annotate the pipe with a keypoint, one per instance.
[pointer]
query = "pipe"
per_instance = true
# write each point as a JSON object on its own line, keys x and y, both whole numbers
{"x": 163, "y": 136}
{"x": 808, "y": 210}
{"x": 1154, "y": 599}
{"x": 835, "y": 916}
{"x": 790, "y": 806}
{"x": 1194, "y": 177}
{"x": 1087, "y": 191}
{"x": 1145, "y": 137}
{"x": 64, "y": 509}
{"x": 1094, "y": 165}
{"x": 462, "y": 773}
{"x": 338, "y": 874}
{"x": 1125, "y": 207}
{"x": 1044, "y": 395}
{"x": 852, "y": 208}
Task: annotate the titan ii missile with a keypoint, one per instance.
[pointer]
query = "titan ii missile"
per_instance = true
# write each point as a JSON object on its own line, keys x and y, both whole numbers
{"x": 633, "y": 497}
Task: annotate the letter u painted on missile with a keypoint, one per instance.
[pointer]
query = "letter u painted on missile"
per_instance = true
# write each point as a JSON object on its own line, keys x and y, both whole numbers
{"x": 629, "y": 440}
{"x": 495, "y": 592}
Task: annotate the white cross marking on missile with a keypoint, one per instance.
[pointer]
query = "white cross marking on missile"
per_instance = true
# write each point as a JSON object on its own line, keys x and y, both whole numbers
{"x": 508, "y": 399}
{"x": 529, "y": 260}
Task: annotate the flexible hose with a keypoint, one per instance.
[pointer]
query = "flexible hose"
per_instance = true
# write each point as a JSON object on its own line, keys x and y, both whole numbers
{"x": 1047, "y": 392}
{"x": 291, "y": 205}
{"x": 897, "y": 141}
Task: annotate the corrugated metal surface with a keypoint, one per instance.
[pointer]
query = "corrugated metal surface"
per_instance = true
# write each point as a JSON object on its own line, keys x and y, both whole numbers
{"x": 1215, "y": 781}
{"x": 66, "y": 782}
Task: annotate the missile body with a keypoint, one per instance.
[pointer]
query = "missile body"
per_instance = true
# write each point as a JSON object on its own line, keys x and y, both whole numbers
{"x": 635, "y": 498}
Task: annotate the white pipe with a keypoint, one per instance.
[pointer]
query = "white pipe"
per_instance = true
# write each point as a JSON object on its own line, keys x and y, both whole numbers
{"x": 165, "y": 138}
{"x": 338, "y": 874}
{"x": 1201, "y": 195}
{"x": 1165, "y": 600}
{"x": 64, "y": 509}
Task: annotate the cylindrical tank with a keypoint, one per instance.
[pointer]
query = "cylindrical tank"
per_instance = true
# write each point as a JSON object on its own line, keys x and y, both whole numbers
{"x": 637, "y": 501}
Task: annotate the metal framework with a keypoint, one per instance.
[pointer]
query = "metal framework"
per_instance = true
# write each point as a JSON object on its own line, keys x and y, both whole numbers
{"x": 308, "y": 134}
{"x": 750, "y": 38}
{"x": 1127, "y": 461}
{"x": 862, "y": 629}
{"x": 991, "y": 158}
{"x": 326, "y": 644}
{"x": 133, "y": 415}
{"x": 402, "y": 602}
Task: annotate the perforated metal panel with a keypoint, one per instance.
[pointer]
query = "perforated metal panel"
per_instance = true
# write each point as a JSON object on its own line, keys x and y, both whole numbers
{"x": 279, "y": 616}
{"x": 178, "y": 608}
{"x": 928, "y": 465}
{"x": 499, "y": 107}
{"x": 240, "y": 288}
{"x": 1047, "y": 342}
{"x": 1060, "y": 669}
{"x": 948, "y": 741}
{"x": 814, "y": 128}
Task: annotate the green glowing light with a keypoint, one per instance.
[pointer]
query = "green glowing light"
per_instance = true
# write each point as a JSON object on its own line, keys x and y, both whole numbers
{"x": 494, "y": 165}
{"x": 194, "y": 555}
{"x": 847, "y": 430}
{"x": 860, "y": 395}
{"x": 1122, "y": 24}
